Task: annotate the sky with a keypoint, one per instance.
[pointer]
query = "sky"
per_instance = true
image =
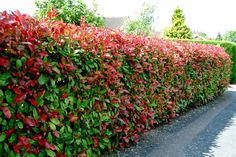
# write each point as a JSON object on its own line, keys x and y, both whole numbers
{"x": 209, "y": 16}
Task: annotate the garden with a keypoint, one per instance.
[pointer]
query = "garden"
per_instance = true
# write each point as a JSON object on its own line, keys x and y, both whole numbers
{"x": 70, "y": 89}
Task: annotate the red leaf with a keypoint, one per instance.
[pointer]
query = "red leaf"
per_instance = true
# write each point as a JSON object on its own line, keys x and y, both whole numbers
{"x": 44, "y": 117}
{"x": 17, "y": 90}
{"x": 31, "y": 47}
{"x": 42, "y": 54}
{"x": 126, "y": 139}
{"x": 115, "y": 100}
{"x": 49, "y": 146}
{"x": 22, "y": 82}
{"x": 20, "y": 97}
{"x": 63, "y": 96}
{"x": 70, "y": 67}
{"x": 72, "y": 117}
{"x": 56, "y": 133}
{"x": 29, "y": 121}
{"x": 4, "y": 62}
{"x": 10, "y": 131}
{"x": 42, "y": 142}
{"x": 23, "y": 140}
{"x": 36, "y": 150}
{"x": 16, "y": 149}
{"x": 95, "y": 140}
{"x": 37, "y": 137}
{"x": 82, "y": 155}
{"x": 30, "y": 62}
{"x": 74, "y": 89}
{"x": 29, "y": 92}
{"x": 33, "y": 102}
{"x": 135, "y": 138}
{"x": 6, "y": 112}
{"x": 172, "y": 115}
{"x": 18, "y": 116}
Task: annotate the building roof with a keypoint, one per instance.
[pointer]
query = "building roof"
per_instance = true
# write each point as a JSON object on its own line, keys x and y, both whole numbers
{"x": 114, "y": 22}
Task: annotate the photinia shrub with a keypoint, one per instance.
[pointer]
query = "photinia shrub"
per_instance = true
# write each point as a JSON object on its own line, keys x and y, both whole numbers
{"x": 68, "y": 90}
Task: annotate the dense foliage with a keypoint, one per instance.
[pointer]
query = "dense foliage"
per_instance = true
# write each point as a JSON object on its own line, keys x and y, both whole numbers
{"x": 229, "y": 47}
{"x": 143, "y": 24}
{"x": 70, "y": 11}
{"x": 230, "y": 36}
{"x": 178, "y": 30}
{"x": 68, "y": 90}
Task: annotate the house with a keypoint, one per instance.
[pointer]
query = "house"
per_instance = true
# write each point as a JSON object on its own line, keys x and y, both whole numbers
{"x": 114, "y": 22}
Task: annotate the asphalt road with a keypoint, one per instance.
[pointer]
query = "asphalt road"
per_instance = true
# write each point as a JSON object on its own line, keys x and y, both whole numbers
{"x": 208, "y": 131}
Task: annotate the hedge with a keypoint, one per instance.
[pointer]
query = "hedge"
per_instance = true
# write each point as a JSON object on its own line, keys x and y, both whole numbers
{"x": 70, "y": 90}
{"x": 229, "y": 47}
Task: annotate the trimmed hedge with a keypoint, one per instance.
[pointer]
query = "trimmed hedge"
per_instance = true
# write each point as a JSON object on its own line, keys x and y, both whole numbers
{"x": 229, "y": 47}
{"x": 69, "y": 90}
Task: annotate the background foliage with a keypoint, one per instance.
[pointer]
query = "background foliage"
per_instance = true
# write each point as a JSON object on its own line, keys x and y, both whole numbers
{"x": 70, "y": 11}
{"x": 143, "y": 24}
{"x": 230, "y": 36}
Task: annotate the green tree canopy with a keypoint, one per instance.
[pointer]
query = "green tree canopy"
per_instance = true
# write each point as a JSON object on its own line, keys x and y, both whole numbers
{"x": 143, "y": 24}
{"x": 178, "y": 29}
{"x": 230, "y": 36}
{"x": 70, "y": 11}
{"x": 219, "y": 36}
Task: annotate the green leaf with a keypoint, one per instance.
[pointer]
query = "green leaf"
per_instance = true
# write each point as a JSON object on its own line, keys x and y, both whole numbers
{"x": 20, "y": 125}
{"x": 6, "y": 147}
{"x": 3, "y": 79}
{"x": 56, "y": 70}
{"x": 69, "y": 129}
{"x": 104, "y": 118}
{"x": 43, "y": 79}
{"x": 11, "y": 154}
{"x": 30, "y": 155}
{"x": 55, "y": 121}
{"x": 106, "y": 140}
{"x": 78, "y": 141}
{"x": 35, "y": 114}
{"x": 102, "y": 146}
{"x": 52, "y": 126}
{"x": 50, "y": 153}
{"x": 1, "y": 150}
{"x": 9, "y": 96}
{"x": 68, "y": 153}
{"x": 1, "y": 95}
{"x": 2, "y": 137}
{"x": 18, "y": 63}
{"x": 13, "y": 138}
{"x": 62, "y": 130}
{"x": 49, "y": 137}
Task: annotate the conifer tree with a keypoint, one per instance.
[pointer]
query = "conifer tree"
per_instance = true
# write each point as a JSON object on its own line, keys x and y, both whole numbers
{"x": 178, "y": 30}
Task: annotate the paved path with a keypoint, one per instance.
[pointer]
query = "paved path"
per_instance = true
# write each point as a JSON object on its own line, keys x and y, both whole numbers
{"x": 208, "y": 131}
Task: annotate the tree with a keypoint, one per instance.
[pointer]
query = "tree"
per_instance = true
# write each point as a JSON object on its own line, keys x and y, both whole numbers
{"x": 70, "y": 11}
{"x": 178, "y": 29}
{"x": 143, "y": 24}
{"x": 230, "y": 36}
{"x": 199, "y": 35}
{"x": 219, "y": 36}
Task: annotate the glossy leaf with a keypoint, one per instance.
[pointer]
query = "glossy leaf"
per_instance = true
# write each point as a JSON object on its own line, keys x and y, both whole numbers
{"x": 6, "y": 112}
{"x": 4, "y": 62}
